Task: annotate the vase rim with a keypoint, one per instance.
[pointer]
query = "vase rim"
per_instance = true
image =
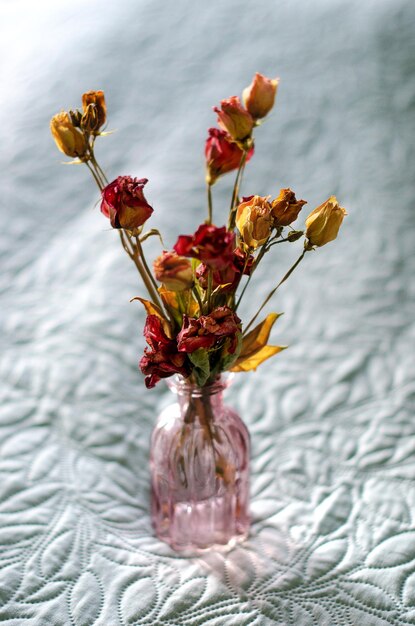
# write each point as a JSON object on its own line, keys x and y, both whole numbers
{"x": 182, "y": 386}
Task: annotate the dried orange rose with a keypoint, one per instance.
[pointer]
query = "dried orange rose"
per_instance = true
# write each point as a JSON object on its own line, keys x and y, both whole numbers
{"x": 234, "y": 119}
{"x": 285, "y": 208}
{"x": 259, "y": 97}
{"x": 254, "y": 221}
{"x": 97, "y": 99}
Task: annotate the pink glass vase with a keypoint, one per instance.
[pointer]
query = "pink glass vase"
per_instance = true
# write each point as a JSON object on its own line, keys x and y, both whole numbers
{"x": 199, "y": 470}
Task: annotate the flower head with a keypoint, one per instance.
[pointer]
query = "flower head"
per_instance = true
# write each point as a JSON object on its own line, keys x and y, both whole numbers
{"x": 234, "y": 119}
{"x": 174, "y": 271}
{"x": 93, "y": 103}
{"x": 254, "y": 221}
{"x": 322, "y": 225}
{"x": 285, "y": 208}
{"x": 222, "y": 154}
{"x": 259, "y": 97}
{"x": 68, "y": 138}
{"x": 162, "y": 359}
{"x": 210, "y": 244}
{"x": 124, "y": 203}
{"x": 228, "y": 277}
{"x": 208, "y": 330}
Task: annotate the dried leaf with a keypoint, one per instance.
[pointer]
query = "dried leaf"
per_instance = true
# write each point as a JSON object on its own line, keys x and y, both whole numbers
{"x": 220, "y": 288}
{"x": 259, "y": 335}
{"x": 151, "y": 233}
{"x": 254, "y": 349}
{"x": 200, "y": 360}
{"x": 251, "y": 362}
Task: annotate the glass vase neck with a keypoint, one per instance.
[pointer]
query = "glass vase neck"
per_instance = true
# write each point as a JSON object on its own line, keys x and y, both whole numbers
{"x": 185, "y": 387}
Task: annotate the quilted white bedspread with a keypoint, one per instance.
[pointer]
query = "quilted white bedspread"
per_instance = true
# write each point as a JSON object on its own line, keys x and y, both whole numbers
{"x": 332, "y": 418}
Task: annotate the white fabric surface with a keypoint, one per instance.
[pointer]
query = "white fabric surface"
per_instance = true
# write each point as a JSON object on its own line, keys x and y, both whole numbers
{"x": 331, "y": 419}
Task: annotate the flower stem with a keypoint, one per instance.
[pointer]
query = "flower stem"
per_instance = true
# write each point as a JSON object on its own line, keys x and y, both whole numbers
{"x": 209, "y": 290}
{"x": 150, "y": 282}
{"x": 265, "y": 248}
{"x": 198, "y": 298}
{"x": 135, "y": 256}
{"x": 255, "y": 265}
{"x": 271, "y": 293}
{"x": 239, "y": 281}
{"x": 235, "y": 191}
{"x": 242, "y": 293}
{"x": 210, "y": 203}
{"x": 98, "y": 167}
{"x": 143, "y": 259}
{"x": 96, "y": 178}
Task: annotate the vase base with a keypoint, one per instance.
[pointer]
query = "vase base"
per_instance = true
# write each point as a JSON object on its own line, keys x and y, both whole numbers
{"x": 198, "y": 550}
{"x": 216, "y": 523}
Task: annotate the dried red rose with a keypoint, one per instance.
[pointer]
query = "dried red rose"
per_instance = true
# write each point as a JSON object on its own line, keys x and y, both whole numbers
{"x": 124, "y": 203}
{"x": 230, "y": 275}
{"x": 207, "y": 330}
{"x": 210, "y": 244}
{"x": 162, "y": 359}
{"x": 222, "y": 154}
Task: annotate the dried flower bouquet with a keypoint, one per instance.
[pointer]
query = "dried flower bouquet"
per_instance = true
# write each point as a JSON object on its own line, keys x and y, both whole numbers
{"x": 195, "y": 290}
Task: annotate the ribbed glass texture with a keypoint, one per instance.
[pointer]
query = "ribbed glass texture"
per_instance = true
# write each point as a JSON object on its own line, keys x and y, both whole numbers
{"x": 200, "y": 470}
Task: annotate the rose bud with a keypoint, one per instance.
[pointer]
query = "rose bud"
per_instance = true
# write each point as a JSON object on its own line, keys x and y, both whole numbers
{"x": 90, "y": 120}
{"x": 174, "y": 271}
{"x": 295, "y": 235}
{"x": 124, "y": 203}
{"x": 285, "y": 208}
{"x": 322, "y": 225}
{"x": 210, "y": 244}
{"x": 234, "y": 119}
{"x": 259, "y": 97}
{"x": 96, "y": 98}
{"x": 222, "y": 155}
{"x": 254, "y": 221}
{"x": 69, "y": 139}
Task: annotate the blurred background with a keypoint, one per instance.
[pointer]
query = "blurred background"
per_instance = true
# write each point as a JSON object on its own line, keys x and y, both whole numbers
{"x": 343, "y": 124}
